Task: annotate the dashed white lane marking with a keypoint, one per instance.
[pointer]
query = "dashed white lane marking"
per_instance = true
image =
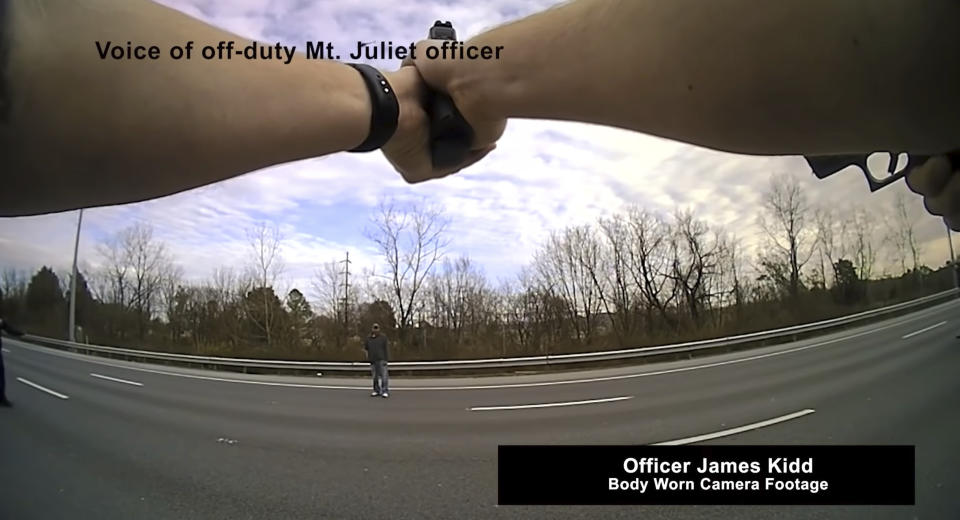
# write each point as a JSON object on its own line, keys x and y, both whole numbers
{"x": 739, "y": 429}
{"x": 921, "y": 331}
{"x": 549, "y": 405}
{"x": 42, "y": 388}
{"x": 116, "y": 380}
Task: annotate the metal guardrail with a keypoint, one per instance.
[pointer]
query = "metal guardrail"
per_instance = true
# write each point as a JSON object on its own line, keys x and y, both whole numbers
{"x": 529, "y": 361}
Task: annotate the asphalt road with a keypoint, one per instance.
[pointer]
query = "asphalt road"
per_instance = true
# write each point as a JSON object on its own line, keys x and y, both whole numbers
{"x": 118, "y": 440}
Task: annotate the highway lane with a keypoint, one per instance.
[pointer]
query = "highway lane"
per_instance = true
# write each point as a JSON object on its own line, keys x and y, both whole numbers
{"x": 657, "y": 396}
{"x": 116, "y": 450}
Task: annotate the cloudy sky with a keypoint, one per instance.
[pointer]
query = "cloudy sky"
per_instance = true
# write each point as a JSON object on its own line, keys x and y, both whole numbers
{"x": 543, "y": 176}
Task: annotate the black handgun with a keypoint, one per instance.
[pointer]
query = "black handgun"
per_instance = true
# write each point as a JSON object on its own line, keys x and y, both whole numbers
{"x": 450, "y": 135}
{"x": 824, "y": 166}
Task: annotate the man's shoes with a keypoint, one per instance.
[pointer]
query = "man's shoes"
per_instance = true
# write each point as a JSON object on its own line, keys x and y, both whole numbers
{"x": 375, "y": 394}
{"x": 5, "y": 404}
{"x": 385, "y": 395}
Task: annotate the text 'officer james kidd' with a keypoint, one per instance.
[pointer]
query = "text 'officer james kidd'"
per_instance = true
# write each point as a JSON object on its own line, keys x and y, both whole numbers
{"x": 774, "y": 465}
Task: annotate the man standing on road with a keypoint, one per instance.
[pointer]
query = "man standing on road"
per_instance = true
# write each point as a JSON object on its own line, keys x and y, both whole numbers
{"x": 376, "y": 347}
{"x": 5, "y": 327}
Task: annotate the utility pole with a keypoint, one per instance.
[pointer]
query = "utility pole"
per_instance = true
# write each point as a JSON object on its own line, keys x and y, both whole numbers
{"x": 73, "y": 283}
{"x": 346, "y": 294}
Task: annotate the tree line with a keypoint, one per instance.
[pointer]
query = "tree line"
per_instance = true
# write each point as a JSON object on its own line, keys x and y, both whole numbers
{"x": 630, "y": 279}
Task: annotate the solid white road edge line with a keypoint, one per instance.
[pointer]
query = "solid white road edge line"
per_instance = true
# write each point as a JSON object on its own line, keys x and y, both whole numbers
{"x": 921, "y": 331}
{"x": 41, "y": 388}
{"x": 5, "y": 351}
{"x": 733, "y": 431}
{"x": 54, "y": 352}
{"x": 108, "y": 378}
{"x": 549, "y": 405}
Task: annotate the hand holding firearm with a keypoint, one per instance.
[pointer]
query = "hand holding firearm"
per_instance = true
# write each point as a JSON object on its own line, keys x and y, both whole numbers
{"x": 825, "y": 166}
{"x": 450, "y": 134}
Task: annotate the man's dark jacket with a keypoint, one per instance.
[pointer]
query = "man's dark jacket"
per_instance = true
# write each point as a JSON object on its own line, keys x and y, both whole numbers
{"x": 376, "y": 347}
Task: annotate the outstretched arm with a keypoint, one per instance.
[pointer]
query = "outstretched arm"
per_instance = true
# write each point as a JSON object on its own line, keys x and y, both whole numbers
{"x": 747, "y": 76}
{"x": 78, "y": 131}
{"x": 9, "y": 329}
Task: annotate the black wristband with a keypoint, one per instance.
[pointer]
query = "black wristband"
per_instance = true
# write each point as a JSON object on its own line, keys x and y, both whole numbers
{"x": 386, "y": 108}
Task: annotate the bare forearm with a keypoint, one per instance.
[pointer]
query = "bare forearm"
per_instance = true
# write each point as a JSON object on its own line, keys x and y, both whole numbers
{"x": 749, "y": 76}
{"x": 85, "y": 131}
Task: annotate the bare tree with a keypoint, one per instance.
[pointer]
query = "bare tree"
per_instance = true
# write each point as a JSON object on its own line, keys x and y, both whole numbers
{"x": 147, "y": 260}
{"x": 99, "y": 283}
{"x": 13, "y": 283}
{"x": 649, "y": 262}
{"x": 458, "y": 297}
{"x": 730, "y": 283}
{"x": 836, "y": 239}
{"x": 622, "y": 298}
{"x": 225, "y": 296}
{"x": 694, "y": 262}
{"x": 540, "y": 316}
{"x": 597, "y": 263}
{"x": 171, "y": 278}
{"x": 586, "y": 258}
{"x": 411, "y": 242}
{"x": 134, "y": 263}
{"x": 825, "y": 223}
{"x": 266, "y": 260}
{"x": 114, "y": 272}
{"x": 328, "y": 284}
{"x": 227, "y": 285}
{"x": 506, "y": 309}
{"x": 171, "y": 281}
{"x": 901, "y": 235}
{"x": 371, "y": 286}
{"x": 773, "y": 280}
{"x": 863, "y": 232}
{"x": 266, "y": 266}
{"x": 561, "y": 266}
{"x": 787, "y": 226}
{"x": 482, "y": 304}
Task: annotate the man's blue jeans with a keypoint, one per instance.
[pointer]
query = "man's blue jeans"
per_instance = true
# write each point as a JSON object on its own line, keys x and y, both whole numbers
{"x": 381, "y": 380}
